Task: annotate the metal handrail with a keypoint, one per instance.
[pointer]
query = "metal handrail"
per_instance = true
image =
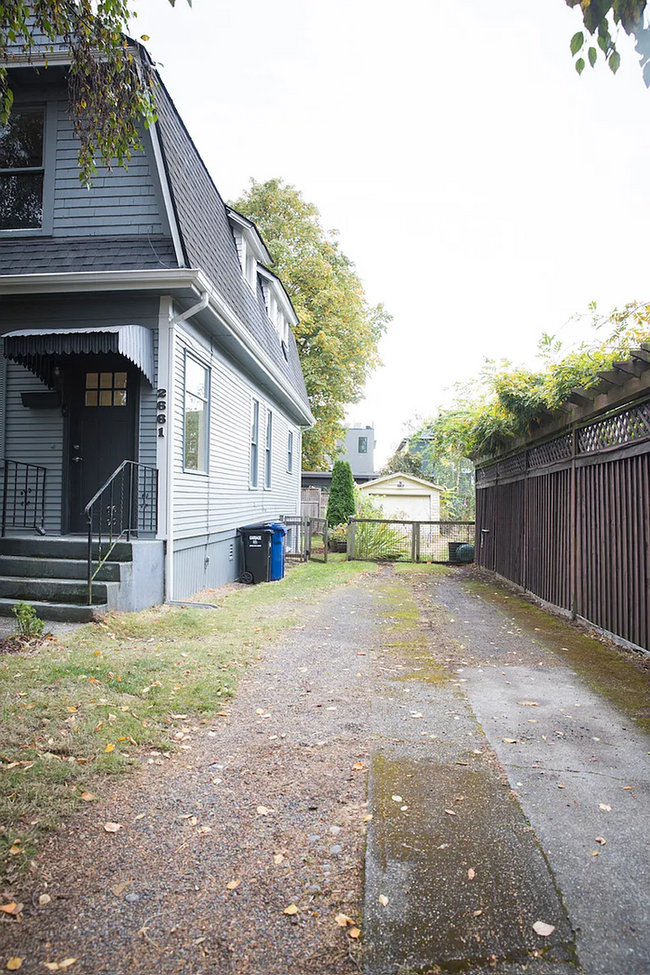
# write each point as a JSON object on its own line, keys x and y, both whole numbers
{"x": 27, "y": 479}
{"x": 115, "y": 519}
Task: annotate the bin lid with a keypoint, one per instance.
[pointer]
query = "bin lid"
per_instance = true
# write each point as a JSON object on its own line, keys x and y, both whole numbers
{"x": 277, "y": 526}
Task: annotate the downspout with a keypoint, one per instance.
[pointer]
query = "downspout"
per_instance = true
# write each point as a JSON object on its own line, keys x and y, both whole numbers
{"x": 199, "y": 306}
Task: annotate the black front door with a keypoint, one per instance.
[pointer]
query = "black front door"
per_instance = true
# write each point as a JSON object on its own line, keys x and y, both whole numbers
{"x": 101, "y": 396}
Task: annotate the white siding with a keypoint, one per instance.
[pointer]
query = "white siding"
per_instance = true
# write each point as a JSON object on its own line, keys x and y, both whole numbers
{"x": 222, "y": 499}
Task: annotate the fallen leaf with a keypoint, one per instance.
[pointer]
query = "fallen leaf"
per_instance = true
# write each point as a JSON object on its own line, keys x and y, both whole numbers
{"x": 594, "y": 853}
{"x": 120, "y": 888}
{"x": 44, "y": 899}
{"x": 561, "y": 786}
{"x": 291, "y": 909}
{"x": 264, "y": 810}
{"x": 601, "y": 840}
{"x": 113, "y": 827}
{"x": 234, "y": 884}
{"x": 66, "y": 963}
{"x": 604, "y": 807}
{"x": 14, "y": 964}
{"x": 529, "y": 704}
{"x": 383, "y": 900}
{"x": 416, "y": 714}
{"x": 202, "y": 830}
{"x": 450, "y": 812}
{"x": 12, "y": 908}
{"x": 358, "y": 766}
{"x": 87, "y": 796}
{"x": 278, "y": 858}
{"x": 110, "y": 747}
{"x": 510, "y": 741}
{"x": 139, "y": 816}
{"x": 542, "y": 929}
{"x": 478, "y": 913}
{"x": 471, "y": 873}
{"x": 397, "y": 799}
{"x": 354, "y": 933}
{"x": 367, "y": 818}
{"x": 343, "y": 920}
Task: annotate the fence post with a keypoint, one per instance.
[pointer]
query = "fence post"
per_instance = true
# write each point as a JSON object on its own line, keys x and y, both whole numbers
{"x": 325, "y": 540}
{"x": 415, "y": 537}
{"x": 351, "y": 527}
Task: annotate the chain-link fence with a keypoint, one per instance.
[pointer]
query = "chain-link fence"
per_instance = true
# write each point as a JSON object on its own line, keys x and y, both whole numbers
{"x": 306, "y": 538}
{"x": 383, "y": 540}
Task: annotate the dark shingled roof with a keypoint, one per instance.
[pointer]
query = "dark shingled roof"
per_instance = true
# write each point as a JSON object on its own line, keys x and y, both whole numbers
{"x": 208, "y": 240}
{"x": 49, "y": 255}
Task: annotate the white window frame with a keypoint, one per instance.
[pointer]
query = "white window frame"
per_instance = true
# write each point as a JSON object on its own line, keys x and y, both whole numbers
{"x": 255, "y": 442}
{"x": 290, "y": 443}
{"x": 204, "y": 469}
{"x": 268, "y": 452}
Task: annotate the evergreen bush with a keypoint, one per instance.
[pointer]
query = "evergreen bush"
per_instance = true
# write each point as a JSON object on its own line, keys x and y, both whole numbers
{"x": 341, "y": 504}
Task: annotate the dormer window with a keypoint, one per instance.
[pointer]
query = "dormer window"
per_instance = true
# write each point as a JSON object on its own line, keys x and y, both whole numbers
{"x": 22, "y": 170}
{"x": 247, "y": 259}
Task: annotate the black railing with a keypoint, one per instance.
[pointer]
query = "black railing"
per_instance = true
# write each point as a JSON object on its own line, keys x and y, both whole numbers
{"x": 23, "y": 496}
{"x": 126, "y": 505}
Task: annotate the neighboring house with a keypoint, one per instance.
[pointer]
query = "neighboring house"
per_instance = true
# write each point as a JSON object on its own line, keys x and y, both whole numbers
{"x": 138, "y": 322}
{"x": 358, "y": 448}
{"x": 404, "y": 496}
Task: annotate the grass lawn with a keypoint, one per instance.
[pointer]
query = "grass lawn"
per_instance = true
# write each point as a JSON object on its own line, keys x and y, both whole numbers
{"x": 83, "y": 707}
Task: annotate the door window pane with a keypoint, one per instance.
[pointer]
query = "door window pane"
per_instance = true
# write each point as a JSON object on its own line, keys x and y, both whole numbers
{"x": 105, "y": 389}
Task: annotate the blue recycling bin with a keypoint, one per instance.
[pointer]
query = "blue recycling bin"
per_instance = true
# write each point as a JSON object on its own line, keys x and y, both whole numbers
{"x": 278, "y": 547}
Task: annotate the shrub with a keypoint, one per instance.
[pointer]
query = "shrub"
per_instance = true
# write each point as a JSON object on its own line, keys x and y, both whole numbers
{"x": 30, "y": 625}
{"x": 341, "y": 504}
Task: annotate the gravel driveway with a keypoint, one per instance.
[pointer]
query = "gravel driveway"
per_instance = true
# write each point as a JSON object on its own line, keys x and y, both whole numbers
{"x": 347, "y": 812}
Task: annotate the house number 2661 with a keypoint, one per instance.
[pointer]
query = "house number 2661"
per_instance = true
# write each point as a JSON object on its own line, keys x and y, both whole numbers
{"x": 161, "y": 411}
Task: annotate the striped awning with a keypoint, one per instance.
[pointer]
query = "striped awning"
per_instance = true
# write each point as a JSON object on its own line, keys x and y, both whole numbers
{"x": 34, "y": 347}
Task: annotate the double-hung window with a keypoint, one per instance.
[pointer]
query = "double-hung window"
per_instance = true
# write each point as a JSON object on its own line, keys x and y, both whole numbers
{"x": 22, "y": 170}
{"x": 268, "y": 455}
{"x": 255, "y": 438}
{"x": 197, "y": 414}
{"x": 290, "y": 452}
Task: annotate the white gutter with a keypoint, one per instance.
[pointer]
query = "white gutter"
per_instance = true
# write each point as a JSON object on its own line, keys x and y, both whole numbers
{"x": 162, "y": 280}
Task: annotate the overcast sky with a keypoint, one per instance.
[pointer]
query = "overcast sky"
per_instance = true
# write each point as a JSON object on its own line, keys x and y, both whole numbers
{"x": 485, "y": 192}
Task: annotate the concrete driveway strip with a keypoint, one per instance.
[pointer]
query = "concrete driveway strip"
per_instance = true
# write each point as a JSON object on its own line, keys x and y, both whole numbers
{"x": 580, "y": 771}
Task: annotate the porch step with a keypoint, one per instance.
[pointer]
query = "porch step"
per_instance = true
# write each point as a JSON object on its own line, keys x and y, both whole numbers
{"x": 50, "y": 547}
{"x": 51, "y": 568}
{"x": 51, "y": 590}
{"x": 57, "y": 612}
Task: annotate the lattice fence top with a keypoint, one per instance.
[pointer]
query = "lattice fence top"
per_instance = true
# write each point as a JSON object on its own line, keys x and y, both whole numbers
{"x": 550, "y": 453}
{"x": 615, "y": 431}
{"x": 513, "y": 465}
{"x": 628, "y": 426}
{"x": 486, "y": 473}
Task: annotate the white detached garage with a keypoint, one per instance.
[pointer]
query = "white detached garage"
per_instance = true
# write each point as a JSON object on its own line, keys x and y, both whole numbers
{"x": 405, "y": 497}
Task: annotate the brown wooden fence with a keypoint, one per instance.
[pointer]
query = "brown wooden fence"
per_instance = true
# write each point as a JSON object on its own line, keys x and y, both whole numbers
{"x": 569, "y": 520}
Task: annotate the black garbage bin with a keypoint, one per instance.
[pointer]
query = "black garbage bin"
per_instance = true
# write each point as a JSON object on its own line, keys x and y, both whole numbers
{"x": 257, "y": 541}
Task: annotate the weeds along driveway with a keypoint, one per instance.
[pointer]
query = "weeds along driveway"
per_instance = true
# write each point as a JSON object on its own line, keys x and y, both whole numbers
{"x": 353, "y": 735}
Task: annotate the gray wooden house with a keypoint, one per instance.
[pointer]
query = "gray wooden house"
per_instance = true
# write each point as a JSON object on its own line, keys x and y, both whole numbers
{"x": 141, "y": 332}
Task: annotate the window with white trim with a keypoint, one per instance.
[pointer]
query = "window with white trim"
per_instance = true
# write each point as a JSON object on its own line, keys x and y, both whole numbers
{"x": 290, "y": 452}
{"x": 268, "y": 453}
{"x": 197, "y": 413}
{"x": 255, "y": 436}
{"x": 22, "y": 169}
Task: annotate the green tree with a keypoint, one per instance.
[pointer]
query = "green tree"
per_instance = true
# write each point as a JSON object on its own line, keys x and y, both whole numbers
{"x": 602, "y": 20}
{"x": 405, "y": 461}
{"x": 341, "y": 504}
{"x": 506, "y": 403}
{"x": 338, "y": 332}
{"x": 110, "y": 78}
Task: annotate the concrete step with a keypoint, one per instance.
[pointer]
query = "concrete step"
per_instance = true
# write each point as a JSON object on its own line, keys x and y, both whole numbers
{"x": 56, "y": 547}
{"x": 32, "y": 590}
{"x": 42, "y": 568}
{"x": 59, "y": 612}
